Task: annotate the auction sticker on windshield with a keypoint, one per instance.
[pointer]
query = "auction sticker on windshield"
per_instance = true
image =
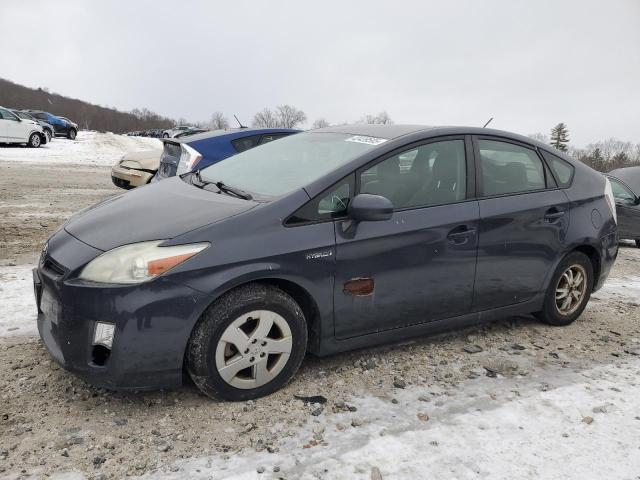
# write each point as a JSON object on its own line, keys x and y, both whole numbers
{"x": 365, "y": 139}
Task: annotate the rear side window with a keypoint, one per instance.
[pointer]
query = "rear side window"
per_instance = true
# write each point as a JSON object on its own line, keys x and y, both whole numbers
{"x": 562, "y": 170}
{"x": 271, "y": 137}
{"x": 508, "y": 168}
{"x": 245, "y": 143}
{"x": 621, "y": 192}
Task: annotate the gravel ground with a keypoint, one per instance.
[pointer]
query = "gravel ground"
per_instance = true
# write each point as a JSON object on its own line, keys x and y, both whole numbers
{"x": 51, "y": 421}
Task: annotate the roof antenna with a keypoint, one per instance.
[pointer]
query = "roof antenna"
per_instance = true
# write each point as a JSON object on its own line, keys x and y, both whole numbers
{"x": 488, "y": 122}
{"x": 239, "y": 122}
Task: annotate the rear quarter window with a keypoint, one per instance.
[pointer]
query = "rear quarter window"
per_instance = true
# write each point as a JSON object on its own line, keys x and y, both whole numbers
{"x": 562, "y": 170}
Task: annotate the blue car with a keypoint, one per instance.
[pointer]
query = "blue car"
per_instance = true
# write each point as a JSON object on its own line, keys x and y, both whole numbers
{"x": 62, "y": 127}
{"x": 182, "y": 155}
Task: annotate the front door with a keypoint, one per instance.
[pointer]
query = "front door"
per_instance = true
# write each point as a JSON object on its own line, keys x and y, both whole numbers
{"x": 523, "y": 223}
{"x": 420, "y": 265}
{"x": 628, "y": 210}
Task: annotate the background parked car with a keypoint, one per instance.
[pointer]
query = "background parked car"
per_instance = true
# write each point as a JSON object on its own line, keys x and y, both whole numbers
{"x": 172, "y": 132}
{"x": 625, "y": 183}
{"x": 47, "y": 128}
{"x": 73, "y": 124}
{"x": 136, "y": 168}
{"x": 204, "y": 149}
{"x": 14, "y": 129}
{"x": 62, "y": 128}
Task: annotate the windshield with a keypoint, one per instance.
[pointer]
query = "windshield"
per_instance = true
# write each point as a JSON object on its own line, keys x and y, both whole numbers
{"x": 290, "y": 163}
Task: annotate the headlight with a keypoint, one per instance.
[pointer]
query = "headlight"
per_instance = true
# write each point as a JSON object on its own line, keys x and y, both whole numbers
{"x": 189, "y": 158}
{"x": 138, "y": 262}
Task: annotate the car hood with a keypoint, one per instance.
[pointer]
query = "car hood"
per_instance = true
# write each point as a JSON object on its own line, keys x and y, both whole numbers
{"x": 145, "y": 159}
{"x": 158, "y": 211}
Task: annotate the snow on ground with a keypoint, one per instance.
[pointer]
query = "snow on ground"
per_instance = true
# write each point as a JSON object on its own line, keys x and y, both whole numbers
{"x": 17, "y": 303}
{"x": 89, "y": 148}
{"x": 551, "y": 424}
{"x": 626, "y": 289}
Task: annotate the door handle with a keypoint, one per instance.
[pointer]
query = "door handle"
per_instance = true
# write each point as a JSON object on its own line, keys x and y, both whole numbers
{"x": 460, "y": 234}
{"x": 553, "y": 214}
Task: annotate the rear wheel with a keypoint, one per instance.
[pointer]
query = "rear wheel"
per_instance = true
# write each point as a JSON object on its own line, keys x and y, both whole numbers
{"x": 165, "y": 135}
{"x": 247, "y": 344}
{"x": 34, "y": 140}
{"x": 71, "y": 135}
{"x": 569, "y": 290}
{"x": 638, "y": 243}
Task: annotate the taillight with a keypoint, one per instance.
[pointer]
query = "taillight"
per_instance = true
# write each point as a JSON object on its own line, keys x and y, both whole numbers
{"x": 611, "y": 201}
{"x": 189, "y": 158}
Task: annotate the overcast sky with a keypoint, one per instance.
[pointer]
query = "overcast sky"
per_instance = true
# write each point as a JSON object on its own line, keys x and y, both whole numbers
{"x": 530, "y": 64}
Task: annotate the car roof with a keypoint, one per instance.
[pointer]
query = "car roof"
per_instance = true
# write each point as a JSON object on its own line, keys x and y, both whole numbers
{"x": 393, "y": 131}
{"x": 246, "y": 132}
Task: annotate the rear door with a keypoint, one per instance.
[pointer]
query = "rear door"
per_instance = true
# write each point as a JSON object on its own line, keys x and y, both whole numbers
{"x": 420, "y": 265}
{"x": 524, "y": 218}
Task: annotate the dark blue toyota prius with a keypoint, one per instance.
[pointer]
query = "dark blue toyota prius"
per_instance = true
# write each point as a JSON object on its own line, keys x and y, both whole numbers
{"x": 323, "y": 241}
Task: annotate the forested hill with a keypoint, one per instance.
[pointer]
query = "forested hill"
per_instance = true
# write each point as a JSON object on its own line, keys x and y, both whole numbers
{"x": 86, "y": 115}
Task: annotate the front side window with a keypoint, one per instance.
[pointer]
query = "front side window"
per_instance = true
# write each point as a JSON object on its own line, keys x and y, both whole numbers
{"x": 621, "y": 193}
{"x": 7, "y": 115}
{"x": 330, "y": 204}
{"x": 290, "y": 163}
{"x": 508, "y": 168}
{"x": 431, "y": 174}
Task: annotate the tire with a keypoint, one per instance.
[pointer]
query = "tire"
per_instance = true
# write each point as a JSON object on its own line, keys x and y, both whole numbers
{"x": 49, "y": 135}
{"x": 638, "y": 242}
{"x": 34, "y": 140}
{"x": 165, "y": 135}
{"x": 71, "y": 134}
{"x": 247, "y": 377}
{"x": 552, "y": 313}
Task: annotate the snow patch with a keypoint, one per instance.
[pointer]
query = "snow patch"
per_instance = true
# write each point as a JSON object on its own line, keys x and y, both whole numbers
{"x": 89, "y": 148}
{"x": 501, "y": 428}
{"x": 18, "y": 312}
{"x": 625, "y": 289}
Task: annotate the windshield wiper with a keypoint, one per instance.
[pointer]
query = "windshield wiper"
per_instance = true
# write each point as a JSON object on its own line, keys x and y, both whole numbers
{"x": 233, "y": 191}
{"x": 229, "y": 190}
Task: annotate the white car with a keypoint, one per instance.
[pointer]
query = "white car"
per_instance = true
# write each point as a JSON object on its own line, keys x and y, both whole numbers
{"x": 172, "y": 132}
{"x": 14, "y": 129}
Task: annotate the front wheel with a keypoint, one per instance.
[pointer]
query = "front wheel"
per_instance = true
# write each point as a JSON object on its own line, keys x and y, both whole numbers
{"x": 71, "y": 135}
{"x": 569, "y": 290}
{"x": 248, "y": 344}
{"x": 47, "y": 134}
{"x": 34, "y": 140}
{"x": 165, "y": 135}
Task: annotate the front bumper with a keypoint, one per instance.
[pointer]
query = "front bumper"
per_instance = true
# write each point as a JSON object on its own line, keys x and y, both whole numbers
{"x": 129, "y": 178}
{"x": 153, "y": 322}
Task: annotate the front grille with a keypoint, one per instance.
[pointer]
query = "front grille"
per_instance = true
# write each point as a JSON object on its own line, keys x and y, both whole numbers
{"x": 52, "y": 266}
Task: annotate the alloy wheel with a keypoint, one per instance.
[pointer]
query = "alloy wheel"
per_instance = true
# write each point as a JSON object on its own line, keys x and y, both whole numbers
{"x": 35, "y": 140}
{"x": 253, "y": 349}
{"x": 571, "y": 289}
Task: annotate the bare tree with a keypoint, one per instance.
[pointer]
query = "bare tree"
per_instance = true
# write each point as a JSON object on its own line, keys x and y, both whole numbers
{"x": 265, "y": 119}
{"x": 320, "y": 123}
{"x": 218, "y": 121}
{"x": 541, "y": 137}
{"x": 382, "y": 118}
{"x": 289, "y": 116}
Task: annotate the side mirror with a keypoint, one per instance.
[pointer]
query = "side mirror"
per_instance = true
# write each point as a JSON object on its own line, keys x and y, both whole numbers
{"x": 370, "y": 208}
